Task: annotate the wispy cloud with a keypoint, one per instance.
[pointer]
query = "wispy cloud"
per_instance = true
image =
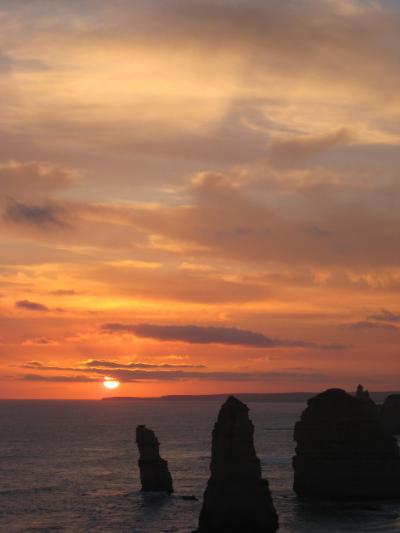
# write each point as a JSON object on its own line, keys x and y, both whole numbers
{"x": 212, "y": 335}
{"x": 40, "y": 341}
{"x": 64, "y": 292}
{"x": 169, "y": 375}
{"x": 32, "y": 178}
{"x": 289, "y": 152}
{"x": 96, "y": 370}
{"x": 40, "y": 216}
{"x": 368, "y": 324}
{"x": 102, "y": 366}
{"x": 31, "y": 306}
{"x": 99, "y": 363}
{"x": 386, "y": 316}
{"x": 60, "y": 379}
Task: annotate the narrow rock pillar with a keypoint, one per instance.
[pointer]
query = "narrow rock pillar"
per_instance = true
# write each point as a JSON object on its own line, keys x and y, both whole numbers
{"x": 154, "y": 473}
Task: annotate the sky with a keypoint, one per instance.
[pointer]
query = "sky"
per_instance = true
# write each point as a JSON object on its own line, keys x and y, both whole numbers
{"x": 198, "y": 197}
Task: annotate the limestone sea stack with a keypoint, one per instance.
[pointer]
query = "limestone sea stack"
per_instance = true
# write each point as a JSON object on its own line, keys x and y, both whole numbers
{"x": 390, "y": 414}
{"x": 154, "y": 473}
{"x": 362, "y": 394}
{"x": 343, "y": 451}
{"x": 237, "y": 499}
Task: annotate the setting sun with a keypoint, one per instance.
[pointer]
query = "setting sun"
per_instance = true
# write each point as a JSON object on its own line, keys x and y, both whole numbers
{"x": 111, "y": 383}
{"x": 214, "y": 187}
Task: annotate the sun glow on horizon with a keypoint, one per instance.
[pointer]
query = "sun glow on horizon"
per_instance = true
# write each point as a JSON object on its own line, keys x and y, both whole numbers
{"x": 195, "y": 203}
{"x": 111, "y": 383}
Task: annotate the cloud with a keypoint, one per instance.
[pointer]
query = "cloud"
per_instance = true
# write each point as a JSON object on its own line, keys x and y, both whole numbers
{"x": 153, "y": 373}
{"x": 383, "y": 320}
{"x": 290, "y": 152}
{"x": 212, "y": 335}
{"x": 367, "y": 324}
{"x": 98, "y": 363}
{"x": 40, "y": 341}
{"x": 235, "y": 50}
{"x": 233, "y": 222}
{"x": 166, "y": 375}
{"x": 44, "y": 217}
{"x": 60, "y": 379}
{"x": 386, "y": 316}
{"x": 327, "y": 40}
{"x": 64, "y": 292}
{"x": 31, "y": 306}
{"x": 252, "y": 137}
{"x": 32, "y": 364}
{"x": 101, "y": 367}
{"x": 28, "y": 179}
{"x": 170, "y": 282}
{"x": 302, "y": 221}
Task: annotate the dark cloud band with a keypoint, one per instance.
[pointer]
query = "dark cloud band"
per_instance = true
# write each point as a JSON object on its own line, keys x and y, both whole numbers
{"x": 212, "y": 335}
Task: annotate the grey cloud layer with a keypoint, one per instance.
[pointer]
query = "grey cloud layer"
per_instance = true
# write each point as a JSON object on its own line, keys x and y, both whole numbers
{"x": 166, "y": 375}
{"x": 101, "y": 366}
{"x": 36, "y": 306}
{"x": 368, "y": 324}
{"x": 99, "y": 363}
{"x": 290, "y": 152}
{"x": 315, "y": 223}
{"x": 386, "y": 316}
{"x": 212, "y": 335}
{"x": 385, "y": 320}
{"x": 136, "y": 372}
{"x": 31, "y": 306}
{"x": 44, "y": 217}
{"x": 60, "y": 379}
{"x": 352, "y": 30}
{"x": 329, "y": 41}
{"x": 33, "y": 178}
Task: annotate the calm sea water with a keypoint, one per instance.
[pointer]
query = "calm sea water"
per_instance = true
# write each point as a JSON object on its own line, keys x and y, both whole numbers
{"x": 71, "y": 466}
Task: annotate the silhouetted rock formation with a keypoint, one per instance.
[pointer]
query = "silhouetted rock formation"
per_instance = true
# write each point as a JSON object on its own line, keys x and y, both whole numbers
{"x": 154, "y": 473}
{"x": 237, "y": 499}
{"x": 362, "y": 394}
{"x": 343, "y": 450}
{"x": 390, "y": 413}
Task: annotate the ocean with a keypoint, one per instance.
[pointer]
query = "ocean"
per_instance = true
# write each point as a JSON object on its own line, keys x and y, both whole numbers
{"x": 71, "y": 466}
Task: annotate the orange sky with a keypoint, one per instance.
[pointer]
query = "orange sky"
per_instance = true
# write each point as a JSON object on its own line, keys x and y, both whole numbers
{"x": 198, "y": 197}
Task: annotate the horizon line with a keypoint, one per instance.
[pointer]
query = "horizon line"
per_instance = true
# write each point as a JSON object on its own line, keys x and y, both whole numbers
{"x": 169, "y": 396}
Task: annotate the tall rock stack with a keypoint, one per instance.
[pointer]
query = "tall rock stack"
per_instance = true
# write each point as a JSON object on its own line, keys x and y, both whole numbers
{"x": 343, "y": 451}
{"x": 390, "y": 414}
{"x": 363, "y": 394}
{"x": 154, "y": 473}
{"x": 237, "y": 499}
